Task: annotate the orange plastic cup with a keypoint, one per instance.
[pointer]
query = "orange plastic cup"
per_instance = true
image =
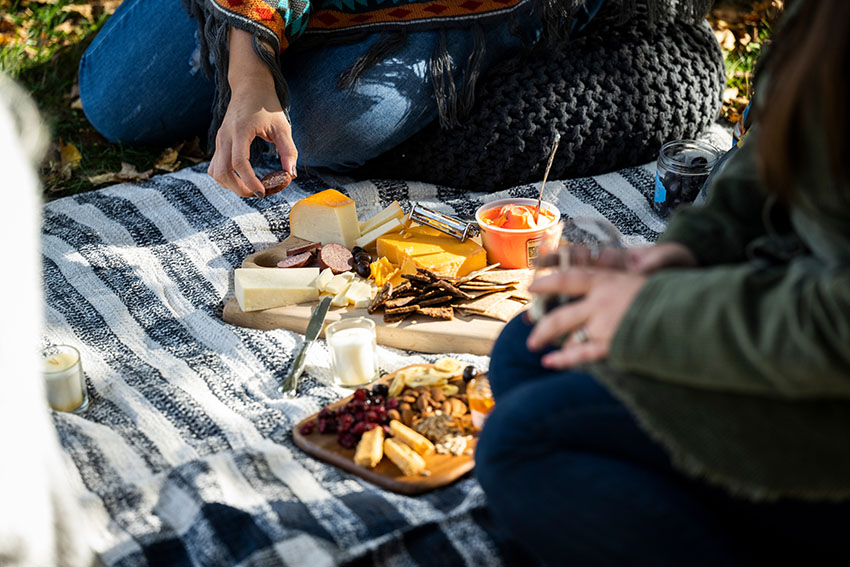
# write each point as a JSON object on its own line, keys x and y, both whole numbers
{"x": 518, "y": 248}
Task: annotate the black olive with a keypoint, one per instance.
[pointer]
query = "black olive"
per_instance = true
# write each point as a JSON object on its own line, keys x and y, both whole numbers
{"x": 356, "y": 250}
{"x": 469, "y": 373}
{"x": 381, "y": 390}
{"x": 699, "y": 160}
{"x": 363, "y": 270}
{"x": 362, "y": 257}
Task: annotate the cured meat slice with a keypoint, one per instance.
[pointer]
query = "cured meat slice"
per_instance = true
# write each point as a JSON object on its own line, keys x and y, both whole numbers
{"x": 276, "y": 181}
{"x": 336, "y": 257}
{"x": 303, "y": 248}
{"x": 296, "y": 261}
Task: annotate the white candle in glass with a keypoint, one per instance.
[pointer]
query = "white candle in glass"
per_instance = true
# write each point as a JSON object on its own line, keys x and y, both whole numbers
{"x": 64, "y": 380}
{"x": 352, "y": 343}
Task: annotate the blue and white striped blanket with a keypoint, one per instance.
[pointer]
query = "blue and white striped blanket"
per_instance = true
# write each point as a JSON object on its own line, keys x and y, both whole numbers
{"x": 185, "y": 455}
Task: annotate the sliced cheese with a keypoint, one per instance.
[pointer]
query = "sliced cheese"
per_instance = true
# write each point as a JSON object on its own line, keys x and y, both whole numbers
{"x": 340, "y": 299}
{"x": 264, "y": 288}
{"x": 328, "y": 216}
{"x": 382, "y": 217}
{"x": 324, "y": 277}
{"x": 382, "y": 270}
{"x": 337, "y": 284}
{"x": 358, "y": 293}
{"x": 431, "y": 249}
{"x": 408, "y": 266}
{"x": 392, "y": 225}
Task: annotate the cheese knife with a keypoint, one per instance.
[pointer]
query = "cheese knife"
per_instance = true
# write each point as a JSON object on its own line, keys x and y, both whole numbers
{"x": 314, "y": 327}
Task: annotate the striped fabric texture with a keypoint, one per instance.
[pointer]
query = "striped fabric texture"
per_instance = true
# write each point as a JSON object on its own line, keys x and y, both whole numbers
{"x": 185, "y": 456}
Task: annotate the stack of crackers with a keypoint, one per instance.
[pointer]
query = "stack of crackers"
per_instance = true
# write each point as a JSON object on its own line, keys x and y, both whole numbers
{"x": 499, "y": 294}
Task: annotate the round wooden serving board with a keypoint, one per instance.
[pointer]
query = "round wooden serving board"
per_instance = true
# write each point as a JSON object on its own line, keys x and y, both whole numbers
{"x": 445, "y": 469}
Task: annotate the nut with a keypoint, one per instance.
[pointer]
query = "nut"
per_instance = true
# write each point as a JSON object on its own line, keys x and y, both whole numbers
{"x": 421, "y": 388}
{"x": 407, "y": 417}
{"x": 458, "y": 407}
{"x": 423, "y": 403}
{"x": 437, "y": 395}
{"x": 393, "y": 414}
{"x": 404, "y": 406}
{"x": 447, "y": 407}
{"x": 408, "y": 398}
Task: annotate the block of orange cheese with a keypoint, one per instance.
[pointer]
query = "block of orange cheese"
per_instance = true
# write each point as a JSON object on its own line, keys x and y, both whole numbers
{"x": 429, "y": 248}
{"x": 327, "y": 216}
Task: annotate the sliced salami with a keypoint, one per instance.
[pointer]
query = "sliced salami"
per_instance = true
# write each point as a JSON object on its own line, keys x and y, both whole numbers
{"x": 336, "y": 257}
{"x": 296, "y": 261}
{"x": 276, "y": 181}
{"x": 303, "y": 248}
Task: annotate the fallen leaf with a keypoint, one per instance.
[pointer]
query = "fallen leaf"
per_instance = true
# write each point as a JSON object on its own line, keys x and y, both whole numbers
{"x": 66, "y": 27}
{"x": 726, "y": 39}
{"x": 128, "y": 173}
{"x": 167, "y": 161}
{"x": 69, "y": 154}
{"x": 85, "y": 10}
{"x": 729, "y": 94}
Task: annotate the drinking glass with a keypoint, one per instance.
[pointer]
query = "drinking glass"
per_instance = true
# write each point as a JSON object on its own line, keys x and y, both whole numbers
{"x": 353, "y": 348}
{"x": 64, "y": 379}
{"x": 585, "y": 241}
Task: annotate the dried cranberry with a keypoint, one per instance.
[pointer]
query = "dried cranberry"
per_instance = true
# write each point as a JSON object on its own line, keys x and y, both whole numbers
{"x": 327, "y": 426}
{"x": 378, "y": 400}
{"x": 392, "y": 403}
{"x": 344, "y": 422}
{"x": 307, "y": 428}
{"x": 347, "y": 440}
{"x": 327, "y": 413}
{"x": 360, "y": 394}
{"x": 361, "y": 428}
{"x": 371, "y": 416}
{"x": 386, "y": 429}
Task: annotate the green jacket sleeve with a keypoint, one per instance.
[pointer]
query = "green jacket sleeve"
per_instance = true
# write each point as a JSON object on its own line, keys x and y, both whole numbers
{"x": 781, "y": 331}
{"x": 718, "y": 231}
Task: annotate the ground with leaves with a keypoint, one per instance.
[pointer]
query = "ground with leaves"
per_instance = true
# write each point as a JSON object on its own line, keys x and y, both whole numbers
{"x": 41, "y": 42}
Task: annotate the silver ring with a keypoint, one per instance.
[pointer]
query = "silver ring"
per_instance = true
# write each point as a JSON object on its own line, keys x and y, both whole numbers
{"x": 581, "y": 335}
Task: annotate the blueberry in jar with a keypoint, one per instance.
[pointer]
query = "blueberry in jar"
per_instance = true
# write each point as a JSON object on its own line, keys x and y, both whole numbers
{"x": 683, "y": 167}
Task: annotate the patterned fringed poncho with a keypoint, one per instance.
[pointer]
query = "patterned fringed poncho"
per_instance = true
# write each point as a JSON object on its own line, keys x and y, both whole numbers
{"x": 300, "y": 24}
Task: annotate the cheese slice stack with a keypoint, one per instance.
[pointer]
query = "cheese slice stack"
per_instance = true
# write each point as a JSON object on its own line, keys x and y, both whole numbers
{"x": 326, "y": 217}
{"x": 264, "y": 288}
{"x": 431, "y": 249}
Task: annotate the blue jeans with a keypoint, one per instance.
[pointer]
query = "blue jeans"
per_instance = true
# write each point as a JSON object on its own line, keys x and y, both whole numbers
{"x": 570, "y": 476}
{"x": 141, "y": 83}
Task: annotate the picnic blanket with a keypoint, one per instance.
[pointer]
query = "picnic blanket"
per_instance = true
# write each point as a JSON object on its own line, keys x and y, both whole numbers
{"x": 185, "y": 455}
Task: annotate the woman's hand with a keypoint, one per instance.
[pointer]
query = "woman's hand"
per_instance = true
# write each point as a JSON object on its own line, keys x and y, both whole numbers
{"x": 603, "y": 295}
{"x": 254, "y": 111}
{"x": 650, "y": 259}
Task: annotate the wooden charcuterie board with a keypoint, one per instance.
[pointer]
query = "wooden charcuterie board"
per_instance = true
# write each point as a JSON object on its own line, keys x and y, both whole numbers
{"x": 468, "y": 334}
{"x": 444, "y": 469}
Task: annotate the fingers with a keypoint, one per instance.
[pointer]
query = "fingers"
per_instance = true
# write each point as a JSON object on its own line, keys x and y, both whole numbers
{"x": 573, "y": 281}
{"x": 247, "y": 180}
{"x": 282, "y": 139}
{"x": 558, "y": 324}
{"x": 573, "y": 354}
{"x": 222, "y": 167}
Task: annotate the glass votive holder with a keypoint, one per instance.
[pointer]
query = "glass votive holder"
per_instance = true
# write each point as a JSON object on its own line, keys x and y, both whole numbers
{"x": 64, "y": 380}
{"x": 353, "y": 347}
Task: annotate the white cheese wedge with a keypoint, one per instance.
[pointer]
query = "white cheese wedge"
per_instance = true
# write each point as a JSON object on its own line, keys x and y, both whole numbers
{"x": 376, "y": 220}
{"x": 392, "y": 225}
{"x": 328, "y": 216}
{"x": 338, "y": 283}
{"x": 324, "y": 277}
{"x": 264, "y": 288}
{"x": 341, "y": 299}
{"x": 359, "y": 294}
